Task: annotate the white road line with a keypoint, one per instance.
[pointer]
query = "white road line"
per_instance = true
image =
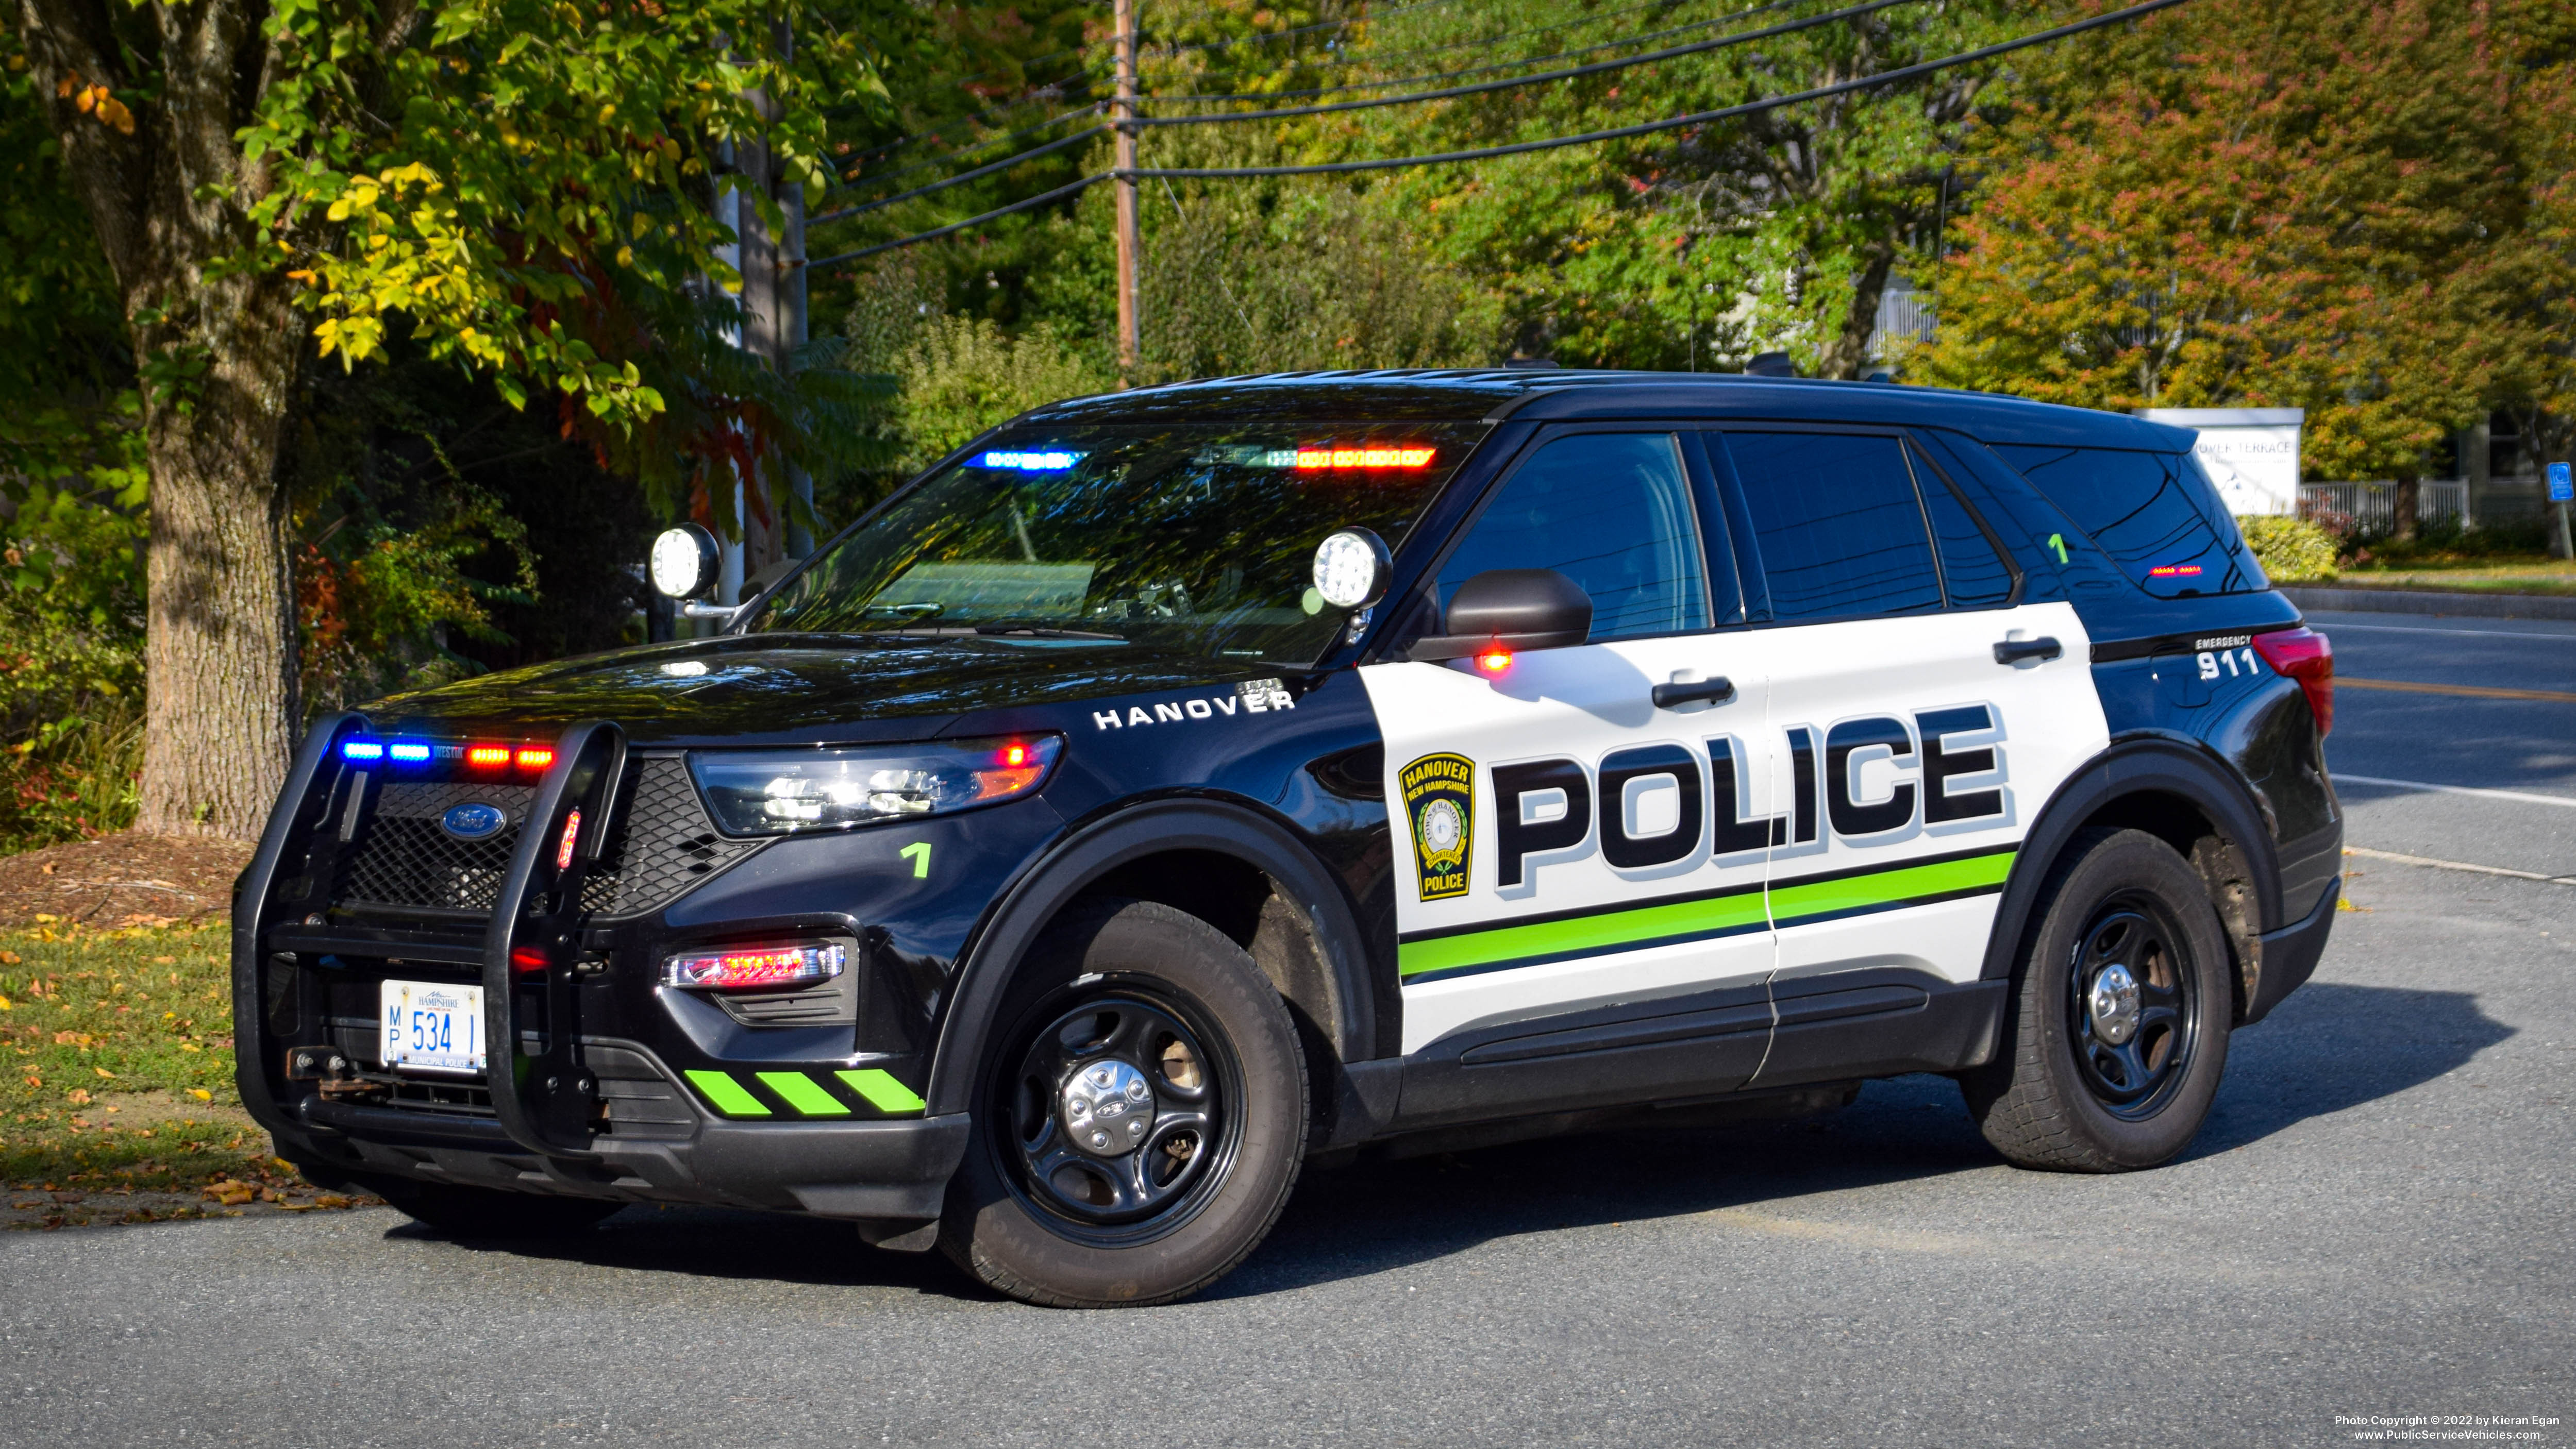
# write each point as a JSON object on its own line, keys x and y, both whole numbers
{"x": 2565, "y": 880}
{"x": 2517, "y": 795}
{"x": 2340, "y": 627}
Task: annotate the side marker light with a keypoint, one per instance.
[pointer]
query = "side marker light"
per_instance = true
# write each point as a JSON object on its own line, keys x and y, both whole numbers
{"x": 1494, "y": 661}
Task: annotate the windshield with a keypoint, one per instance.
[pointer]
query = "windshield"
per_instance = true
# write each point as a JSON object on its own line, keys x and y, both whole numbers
{"x": 1192, "y": 537}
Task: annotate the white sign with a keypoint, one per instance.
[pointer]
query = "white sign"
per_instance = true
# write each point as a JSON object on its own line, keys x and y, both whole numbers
{"x": 2252, "y": 454}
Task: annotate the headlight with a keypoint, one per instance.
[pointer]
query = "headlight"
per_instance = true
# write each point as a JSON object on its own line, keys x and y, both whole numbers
{"x": 781, "y": 792}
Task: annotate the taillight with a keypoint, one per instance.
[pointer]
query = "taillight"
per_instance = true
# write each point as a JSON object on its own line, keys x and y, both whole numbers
{"x": 787, "y": 964}
{"x": 2307, "y": 656}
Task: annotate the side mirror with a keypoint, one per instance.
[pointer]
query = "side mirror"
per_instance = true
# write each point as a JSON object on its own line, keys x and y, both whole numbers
{"x": 1516, "y": 610}
{"x": 685, "y": 560}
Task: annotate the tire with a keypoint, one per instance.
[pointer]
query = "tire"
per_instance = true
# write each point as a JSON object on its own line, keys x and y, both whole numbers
{"x": 482, "y": 1212}
{"x": 1131, "y": 1023}
{"x": 2110, "y": 1080}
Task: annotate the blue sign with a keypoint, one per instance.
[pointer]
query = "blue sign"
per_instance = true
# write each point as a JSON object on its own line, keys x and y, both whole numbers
{"x": 2560, "y": 491}
{"x": 473, "y": 821}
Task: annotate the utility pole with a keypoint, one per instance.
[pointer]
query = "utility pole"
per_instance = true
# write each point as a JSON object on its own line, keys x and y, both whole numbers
{"x": 1123, "y": 12}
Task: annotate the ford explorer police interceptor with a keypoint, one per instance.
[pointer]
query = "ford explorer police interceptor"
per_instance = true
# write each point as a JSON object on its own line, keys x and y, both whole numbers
{"x": 1173, "y": 787}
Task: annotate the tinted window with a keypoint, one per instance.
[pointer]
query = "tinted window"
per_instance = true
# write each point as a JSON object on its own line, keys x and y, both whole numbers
{"x": 2153, "y": 513}
{"x": 1611, "y": 511}
{"x": 1837, "y": 523}
{"x": 1974, "y": 575}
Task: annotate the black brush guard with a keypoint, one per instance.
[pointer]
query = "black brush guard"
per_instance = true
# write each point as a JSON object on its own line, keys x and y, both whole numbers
{"x": 542, "y": 1097}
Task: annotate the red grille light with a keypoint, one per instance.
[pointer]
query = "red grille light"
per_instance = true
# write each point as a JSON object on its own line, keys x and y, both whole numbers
{"x": 571, "y": 837}
{"x": 750, "y": 967}
{"x": 2307, "y": 656}
{"x": 535, "y": 757}
{"x": 487, "y": 756}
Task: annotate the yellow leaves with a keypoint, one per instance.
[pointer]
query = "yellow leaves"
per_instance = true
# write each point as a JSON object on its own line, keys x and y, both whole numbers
{"x": 201, "y": 1094}
{"x": 189, "y": 1046}
{"x": 74, "y": 1039}
{"x": 9, "y": 958}
{"x": 6, "y": 1004}
{"x": 231, "y": 1193}
{"x": 78, "y": 1097}
{"x": 104, "y": 1072}
{"x": 95, "y": 100}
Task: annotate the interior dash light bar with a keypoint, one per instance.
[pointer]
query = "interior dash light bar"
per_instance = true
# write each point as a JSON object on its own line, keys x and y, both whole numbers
{"x": 1312, "y": 458}
{"x": 1049, "y": 461}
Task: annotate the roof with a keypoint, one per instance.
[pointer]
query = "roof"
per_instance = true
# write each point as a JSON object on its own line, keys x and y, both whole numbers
{"x": 1470, "y": 395}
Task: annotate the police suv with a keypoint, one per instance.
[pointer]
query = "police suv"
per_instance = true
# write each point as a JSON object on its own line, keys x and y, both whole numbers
{"x": 1174, "y": 787}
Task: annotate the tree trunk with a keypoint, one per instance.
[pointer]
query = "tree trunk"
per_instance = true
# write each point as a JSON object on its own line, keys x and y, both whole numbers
{"x": 166, "y": 187}
{"x": 1846, "y": 354}
{"x": 2402, "y": 502}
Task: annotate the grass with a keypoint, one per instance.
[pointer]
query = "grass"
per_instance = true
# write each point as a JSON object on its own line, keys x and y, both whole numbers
{"x": 2541, "y": 575}
{"x": 118, "y": 1079}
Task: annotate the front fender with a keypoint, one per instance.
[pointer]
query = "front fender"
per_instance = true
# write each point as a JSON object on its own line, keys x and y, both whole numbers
{"x": 1152, "y": 828}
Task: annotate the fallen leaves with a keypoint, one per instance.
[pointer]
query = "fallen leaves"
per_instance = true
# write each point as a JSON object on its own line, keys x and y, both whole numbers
{"x": 201, "y": 1094}
{"x": 230, "y": 1192}
{"x": 79, "y": 1096}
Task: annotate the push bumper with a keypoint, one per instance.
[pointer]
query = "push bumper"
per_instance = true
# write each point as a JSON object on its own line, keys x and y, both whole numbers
{"x": 2290, "y": 955}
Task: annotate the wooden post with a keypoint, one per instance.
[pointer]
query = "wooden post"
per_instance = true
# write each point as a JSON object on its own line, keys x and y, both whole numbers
{"x": 1123, "y": 12}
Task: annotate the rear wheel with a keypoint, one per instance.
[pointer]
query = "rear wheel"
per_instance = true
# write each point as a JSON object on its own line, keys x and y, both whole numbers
{"x": 2120, "y": 1014}
{"x": 1140, "y": 1120}
{"x": 482, "y": 1212}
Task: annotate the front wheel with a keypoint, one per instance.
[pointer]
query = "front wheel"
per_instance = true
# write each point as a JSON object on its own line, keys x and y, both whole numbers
{"x": 1140, "y": 1119}
{"x": 2119, "y": 1016}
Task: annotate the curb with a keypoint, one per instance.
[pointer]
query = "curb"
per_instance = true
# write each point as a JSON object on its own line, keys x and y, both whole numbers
{"x": 2427, "y": 601}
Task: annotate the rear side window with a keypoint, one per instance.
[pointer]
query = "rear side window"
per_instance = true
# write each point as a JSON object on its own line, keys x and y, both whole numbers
{"x": 1837, "y": 524}
{"x": 1976, "y": 576}
{"x": 1612, "y": 511}
{"x": 2153, "y": 513}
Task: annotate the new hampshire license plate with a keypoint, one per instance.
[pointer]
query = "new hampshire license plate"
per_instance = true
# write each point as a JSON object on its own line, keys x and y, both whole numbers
{"x": 432, "y": 1026}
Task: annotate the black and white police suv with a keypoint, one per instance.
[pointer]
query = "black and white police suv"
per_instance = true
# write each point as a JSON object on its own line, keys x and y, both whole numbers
{"x": 1176, "y": 786}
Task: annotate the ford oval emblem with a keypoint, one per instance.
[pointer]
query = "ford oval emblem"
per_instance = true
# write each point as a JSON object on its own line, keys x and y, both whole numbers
{"x": 472, "y": 821}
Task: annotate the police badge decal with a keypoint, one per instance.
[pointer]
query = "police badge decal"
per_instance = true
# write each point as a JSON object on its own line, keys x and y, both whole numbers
{"x": 1440, "y": 799}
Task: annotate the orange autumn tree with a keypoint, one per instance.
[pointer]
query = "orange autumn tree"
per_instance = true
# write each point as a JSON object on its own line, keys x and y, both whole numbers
{"x": 2258, "y": 203}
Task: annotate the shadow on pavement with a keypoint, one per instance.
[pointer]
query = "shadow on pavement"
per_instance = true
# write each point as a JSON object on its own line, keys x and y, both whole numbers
{"x": 2329, "y": 1048}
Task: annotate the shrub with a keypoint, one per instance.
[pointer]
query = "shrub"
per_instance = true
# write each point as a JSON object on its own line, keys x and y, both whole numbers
{"x": 2291, "y": 550}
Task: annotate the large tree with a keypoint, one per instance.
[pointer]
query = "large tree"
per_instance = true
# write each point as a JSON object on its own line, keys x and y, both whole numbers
{"x": 2255, "y": 203}
{"x": 525, "y": 187}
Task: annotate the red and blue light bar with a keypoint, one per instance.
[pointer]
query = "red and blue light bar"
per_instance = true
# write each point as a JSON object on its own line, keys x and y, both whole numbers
{"x": 478, "y": 756}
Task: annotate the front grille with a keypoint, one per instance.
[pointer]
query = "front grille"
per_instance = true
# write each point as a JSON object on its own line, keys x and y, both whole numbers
{"x": 408, "y": 859}
{"x": 662, "y": 843}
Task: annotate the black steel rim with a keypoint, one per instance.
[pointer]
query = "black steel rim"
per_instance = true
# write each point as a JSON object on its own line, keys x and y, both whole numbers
{"x": 1141, "y": 1183}
{"x": 2132, "y": 1072}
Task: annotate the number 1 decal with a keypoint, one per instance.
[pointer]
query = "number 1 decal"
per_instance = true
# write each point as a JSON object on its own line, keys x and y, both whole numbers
{"x": 919, "y": 854}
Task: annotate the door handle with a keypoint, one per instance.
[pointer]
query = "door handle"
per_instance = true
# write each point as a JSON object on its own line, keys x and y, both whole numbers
{"x": 2014, "y": 651}
{"x": 1712, "y": 691}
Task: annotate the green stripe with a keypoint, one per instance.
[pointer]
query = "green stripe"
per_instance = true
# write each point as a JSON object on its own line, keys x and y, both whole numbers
{"x": 1881, "y": 889}
{"x": 1618, "y": 930}
{"x": 727, "y": 1095}
{"x": 804, "y": 1094}
{"x": 1608, "y": 930}
{"x": 882, "y": 1091}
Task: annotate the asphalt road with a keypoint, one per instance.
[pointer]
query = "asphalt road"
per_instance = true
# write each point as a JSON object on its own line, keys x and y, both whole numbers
{"x": 2378, "y": 1220}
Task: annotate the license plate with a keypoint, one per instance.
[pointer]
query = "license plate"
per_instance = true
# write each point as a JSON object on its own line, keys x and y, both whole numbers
{"x": 432, "y": 1027}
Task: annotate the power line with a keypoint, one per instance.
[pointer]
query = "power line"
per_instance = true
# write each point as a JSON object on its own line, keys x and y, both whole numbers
{"x": 1087, "y": 108}
{"x": 1446, "y": 158}
{"x": 961, "y": 178}
{"x": 1699, "y": 118}
{"x": 1696, "y": 47}
{"x": 1229, "y": 117}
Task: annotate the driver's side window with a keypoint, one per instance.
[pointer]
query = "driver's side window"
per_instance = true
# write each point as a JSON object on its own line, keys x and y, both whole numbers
{"x": 1611, "y": 511}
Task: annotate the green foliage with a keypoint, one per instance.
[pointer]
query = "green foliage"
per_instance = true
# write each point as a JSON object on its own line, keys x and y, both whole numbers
{"x": 2291, "y": 550}
{"x": 498, "y": 171}
{"x": 72, "y": 779}
{"x": 961, "y": 375}
{"x": 2252, "y": 203}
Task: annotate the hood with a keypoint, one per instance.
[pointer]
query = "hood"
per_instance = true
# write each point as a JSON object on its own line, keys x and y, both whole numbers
{"x": 796, "y": 688}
